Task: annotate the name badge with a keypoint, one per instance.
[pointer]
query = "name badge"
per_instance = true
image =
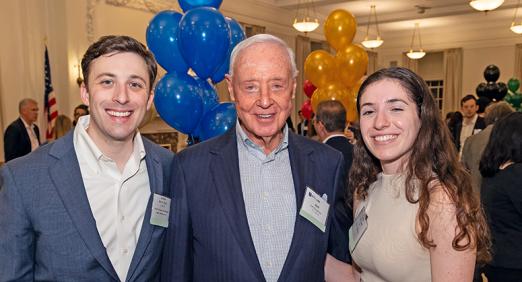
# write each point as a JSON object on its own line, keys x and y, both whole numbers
{"x": 315, "y": 209}
{"x": 359, "y": 226}
{"x": 475, "y": 131}
{"x": 160, "y": 211}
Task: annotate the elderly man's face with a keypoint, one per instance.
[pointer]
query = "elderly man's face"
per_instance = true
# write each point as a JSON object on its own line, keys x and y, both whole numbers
{"x": 263, "y": 88}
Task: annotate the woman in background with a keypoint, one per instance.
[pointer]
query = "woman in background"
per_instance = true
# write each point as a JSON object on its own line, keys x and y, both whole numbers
{"x": 62, "y": 126}
{"x": 501, "y": 196}
{"x": 415, "y": 215}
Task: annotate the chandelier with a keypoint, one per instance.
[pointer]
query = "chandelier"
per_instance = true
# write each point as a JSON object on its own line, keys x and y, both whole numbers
{"x": 485, "y": 5}
{"x": 412, "y": 54}
{"x": 305, "y": 19}
{"x": 372, "y": 43}
{"x": 516, "y": 27}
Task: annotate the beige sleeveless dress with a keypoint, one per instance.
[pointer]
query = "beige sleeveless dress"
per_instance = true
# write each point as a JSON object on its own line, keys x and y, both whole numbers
{"x": 389, "y": 250}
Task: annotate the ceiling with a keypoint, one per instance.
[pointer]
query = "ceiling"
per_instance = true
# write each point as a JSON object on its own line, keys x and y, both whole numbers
{"x": 441, "y": 21}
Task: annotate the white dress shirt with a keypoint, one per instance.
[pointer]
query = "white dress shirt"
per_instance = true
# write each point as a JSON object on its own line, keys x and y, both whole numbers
{"x": 32, "y": 135}
{"x": 118, "y": 200}
{"x": 467, "y": 130}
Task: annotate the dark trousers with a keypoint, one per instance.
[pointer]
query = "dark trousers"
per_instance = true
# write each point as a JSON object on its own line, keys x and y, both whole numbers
{"x": 499, "y": 274}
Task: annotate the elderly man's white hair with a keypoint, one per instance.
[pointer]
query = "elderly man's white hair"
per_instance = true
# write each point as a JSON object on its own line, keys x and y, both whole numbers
{"x": 262, "y": 38}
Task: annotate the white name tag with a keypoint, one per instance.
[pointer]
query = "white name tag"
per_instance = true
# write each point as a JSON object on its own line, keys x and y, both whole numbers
{"x": 359, "y": 226}
{"x": 160, "y": 211}
{"x": 315, "y": 209}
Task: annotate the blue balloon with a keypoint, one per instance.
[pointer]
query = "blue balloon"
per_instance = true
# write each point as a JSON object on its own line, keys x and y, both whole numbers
{"x": 178, "y": 102}
{"x": 237, "y": 34}
{"x": 162, "y": 39}
{"x": 216, "y": 122}
{"x": 191, "y": 4}
{"x": 204, "y": 38}
{"x": 208, "y": 95}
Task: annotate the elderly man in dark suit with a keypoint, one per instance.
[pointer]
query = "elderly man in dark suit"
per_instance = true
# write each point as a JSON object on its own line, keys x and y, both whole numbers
{"x": 22, "y": 136}
{"x": 92, "y": 205}
{"x": 258, "y": 202}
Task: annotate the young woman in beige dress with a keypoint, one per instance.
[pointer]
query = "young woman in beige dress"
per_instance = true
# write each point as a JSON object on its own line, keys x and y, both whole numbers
{"x": 416, "y": 218}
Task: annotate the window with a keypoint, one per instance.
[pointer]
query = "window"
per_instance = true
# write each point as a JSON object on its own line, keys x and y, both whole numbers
{"x": 437, "y": 88}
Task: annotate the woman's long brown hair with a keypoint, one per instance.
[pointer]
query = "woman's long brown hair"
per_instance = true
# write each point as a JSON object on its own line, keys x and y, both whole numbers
{"x": 433, "y": 160}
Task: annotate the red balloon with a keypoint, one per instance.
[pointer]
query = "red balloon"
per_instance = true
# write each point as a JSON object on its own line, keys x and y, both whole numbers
{"x": 308, "y": 88}
{"x": 306, "y": 109}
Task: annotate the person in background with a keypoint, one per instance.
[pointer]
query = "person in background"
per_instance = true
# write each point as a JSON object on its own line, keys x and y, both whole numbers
{"x": 302, "y": 126}
{"x": 471, "y": 123}
{"x": 22, "y": 136}
{"x": 455, "y": 119}
{"x": 258, "y": 202}
{"x": 329, "y": 123}
{"x": 350, "y": 131}
{"x": 290, "y": 124}
{"x": 416, "y": 218}
{"x": 62, "y": 126}
{"x": 92, "y": 205}
{"x": 482, "y": 103}
{"x": 475, "y": 144}
{"x": 80, "y": 110}
{"x": 501, "y": 196}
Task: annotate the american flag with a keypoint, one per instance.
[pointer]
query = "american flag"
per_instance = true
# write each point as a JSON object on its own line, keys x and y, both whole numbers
{"x": 51, "y": 109}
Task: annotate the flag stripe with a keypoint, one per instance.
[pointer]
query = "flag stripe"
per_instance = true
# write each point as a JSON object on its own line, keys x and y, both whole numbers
{"x": 51, "y": 108}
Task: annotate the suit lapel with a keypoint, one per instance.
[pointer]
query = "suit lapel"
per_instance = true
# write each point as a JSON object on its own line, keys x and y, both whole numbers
{"x": 155, "y": 173}
{"x": 224, "y": 168}
{"x": 67, "y": 178}
{"x": 302, "y": 163}
{"x": 26, "y": 140}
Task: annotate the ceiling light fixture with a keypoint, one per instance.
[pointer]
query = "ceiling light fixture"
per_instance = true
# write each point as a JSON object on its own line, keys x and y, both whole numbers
{"x": 372, "y": 43}
{"x": 415, "y": 55}
{"x": 305, "y": 18}
{"x": 485, "y": 5}
{"x": 516, "y": 27}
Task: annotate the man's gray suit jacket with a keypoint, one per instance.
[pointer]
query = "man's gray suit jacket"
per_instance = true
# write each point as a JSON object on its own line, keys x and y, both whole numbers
{"x": 48, "y": 231}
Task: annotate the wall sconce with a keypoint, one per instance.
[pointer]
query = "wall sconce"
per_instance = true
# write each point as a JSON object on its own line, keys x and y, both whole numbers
{"x": 79, "y": 79}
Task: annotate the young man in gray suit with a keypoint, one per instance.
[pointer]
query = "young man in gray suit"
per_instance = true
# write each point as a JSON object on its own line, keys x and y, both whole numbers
{"x": 258, "y": 202}
{"x": 92, "y": 205}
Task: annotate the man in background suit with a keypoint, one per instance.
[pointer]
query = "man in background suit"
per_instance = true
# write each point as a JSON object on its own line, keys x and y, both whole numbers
{"x": 22, "y": 136}
{"x": 471, "y": 123}
{"x": 302, "y": 126}
{"x": 244, "y": 210}
{"x": 91, "y": 206}
{"x": 329, "y": 123}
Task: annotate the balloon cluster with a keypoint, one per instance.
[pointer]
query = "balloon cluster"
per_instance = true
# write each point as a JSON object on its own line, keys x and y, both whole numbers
{"x": 492, "y": 89}
{"x": 200, "y": 39}
{"x": 514, "y": 97}
{"x": 337, "y": 77}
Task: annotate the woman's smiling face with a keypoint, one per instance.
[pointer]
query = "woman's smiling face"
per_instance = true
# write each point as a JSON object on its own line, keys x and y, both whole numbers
{"x": 389, "y": 123}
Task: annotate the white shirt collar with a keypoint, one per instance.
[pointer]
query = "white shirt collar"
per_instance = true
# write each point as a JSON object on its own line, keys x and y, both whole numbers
{"x": 84, "y": 143}
{"x": 334, "y": 135}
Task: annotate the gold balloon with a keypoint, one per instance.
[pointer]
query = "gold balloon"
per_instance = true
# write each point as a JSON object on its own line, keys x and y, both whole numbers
{"x": 352, "y": 62}
{"x": 334, "y": 91}
{"x": 319, "y": 68}
{"x": 351, "y": 109}
{"x": 339, "y": 28}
